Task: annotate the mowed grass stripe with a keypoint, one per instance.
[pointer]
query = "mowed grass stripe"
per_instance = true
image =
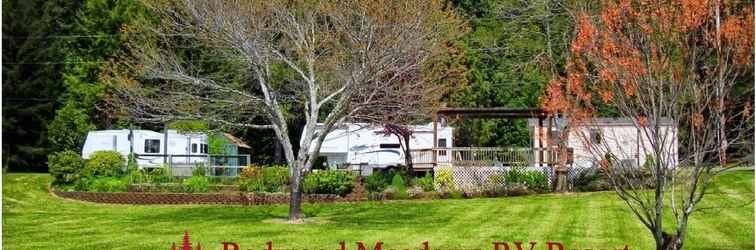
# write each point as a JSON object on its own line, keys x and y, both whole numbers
{"x": 600, "y": 220}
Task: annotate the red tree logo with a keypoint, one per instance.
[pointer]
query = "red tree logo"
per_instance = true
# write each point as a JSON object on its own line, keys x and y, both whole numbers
{"x": 186, "y": 244}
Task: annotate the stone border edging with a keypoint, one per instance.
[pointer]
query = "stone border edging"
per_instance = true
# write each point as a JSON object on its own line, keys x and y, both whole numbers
{"x": 228, "y": 198}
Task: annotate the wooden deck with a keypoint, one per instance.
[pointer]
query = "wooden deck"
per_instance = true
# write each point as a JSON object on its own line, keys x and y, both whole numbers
{"x": 481, "y": 157}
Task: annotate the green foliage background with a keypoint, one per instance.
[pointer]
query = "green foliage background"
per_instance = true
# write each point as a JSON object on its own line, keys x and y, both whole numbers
{"x": 54, "y": 51}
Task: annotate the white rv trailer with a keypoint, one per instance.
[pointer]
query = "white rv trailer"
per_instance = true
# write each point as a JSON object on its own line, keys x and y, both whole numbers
{"x": 149, "y": 145}
{"x": 361, "y": 147}
{"x": 619, "y": 135}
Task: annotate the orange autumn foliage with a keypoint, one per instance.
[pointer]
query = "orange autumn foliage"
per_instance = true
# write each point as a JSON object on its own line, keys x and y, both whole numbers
{"x": 631, "y": 45}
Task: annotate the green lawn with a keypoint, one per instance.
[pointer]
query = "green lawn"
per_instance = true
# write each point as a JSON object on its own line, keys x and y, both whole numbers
{"x": 33, "y": 219}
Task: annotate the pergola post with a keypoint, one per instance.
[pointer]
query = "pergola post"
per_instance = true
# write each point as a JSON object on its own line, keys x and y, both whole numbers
{"x": 435, "y": 139}
{"x": 540, "y": 141}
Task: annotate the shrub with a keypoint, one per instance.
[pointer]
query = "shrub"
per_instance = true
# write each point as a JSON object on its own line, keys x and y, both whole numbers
{"x": 401, "y": 189}
{"x": 102, "y": 184}
{"x": 425, "y": 182}
{"x": 263, "y": 179}
{"x": 65, "y": 166}
{"x": 251, "y": 179}
{"x": 444, "y": 180}
{"x": 136, "y": 176}
{"x": 160, "y": 174}
{"x": 222, "y": 180}
{"x": 535, "y": 180}
{"x": 199, "y": 170}
{"x": 275, "y": 178}
{"x": 495, "y": 185}
{"x": 69, "y": 128}
{"x": 590, "y": 179}
{"x": 328, "y": 182}
{"x": 105, "y": 163}
{"x": 196, "y": 184}
{"x": 375, "y": 182}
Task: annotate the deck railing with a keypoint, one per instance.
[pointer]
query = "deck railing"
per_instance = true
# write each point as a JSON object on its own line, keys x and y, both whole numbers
{"x": 482, "y": 156}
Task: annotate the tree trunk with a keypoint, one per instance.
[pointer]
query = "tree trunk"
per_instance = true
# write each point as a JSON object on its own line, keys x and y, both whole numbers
{"x": 669, "y": 242}
{"x": 562, "y": 184}
{"x": 408, "y": 155}
{"x": 295, "y": 202}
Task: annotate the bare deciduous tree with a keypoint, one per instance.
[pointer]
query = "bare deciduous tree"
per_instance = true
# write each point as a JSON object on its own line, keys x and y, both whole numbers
{"x": 259, "y": 60}
{"x": 671, "y": 67}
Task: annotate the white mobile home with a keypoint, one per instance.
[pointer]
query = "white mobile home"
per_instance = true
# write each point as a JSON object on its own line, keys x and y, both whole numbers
{"x": 620, "y": 136}
{"x": 149, "y": 145}
{"x": 362, "y": 147}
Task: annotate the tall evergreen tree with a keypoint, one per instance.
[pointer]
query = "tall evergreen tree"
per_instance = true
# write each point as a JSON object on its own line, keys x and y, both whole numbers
{"x": 512, "y": 52}
{"x": 99, "y": 22}
{"x": 32, "y": 82}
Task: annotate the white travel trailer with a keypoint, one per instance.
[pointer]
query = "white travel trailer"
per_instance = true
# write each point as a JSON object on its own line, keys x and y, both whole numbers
{"x": 617, "y": 135}
{"x": 361, "y": 147}
{"x": 150, "y": 146}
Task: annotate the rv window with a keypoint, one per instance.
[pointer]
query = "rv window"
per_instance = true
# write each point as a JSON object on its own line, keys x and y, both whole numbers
{"x": 390, "y": 145}
{"x": 194, "y": 147}
{"x": 151, "y": 146}
{"x": 203, "y": 148}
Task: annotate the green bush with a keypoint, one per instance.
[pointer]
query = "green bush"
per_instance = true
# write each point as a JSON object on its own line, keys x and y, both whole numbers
{"x": 495, "y": 185}
{"x": 136, "y": 176}
{"x": 535, "y": 180}
{"x": 101, "y": 184}
{"x": 380, "y": 179}
{"x": 68, "y": 130}
{"x": 444, "y": 180}
{"x": 589, "y": 180}
{"x": 160, "y": 175}
{"x": 375, "y": 182}
{"x": 196, "y": 184}
{"x": 328, "y": 182}
{"x": 199, "y": 170}
{"x": 401, "y": 189}
{"x": 105, "y": 163}
{"x": 425, "y": 182}
{"x": 275, "y": 178}
{"x": 263, "y": 179}
{"x": 65, "y": 166}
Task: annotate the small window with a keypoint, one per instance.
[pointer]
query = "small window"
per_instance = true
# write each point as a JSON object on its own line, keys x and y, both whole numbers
{"x": 152, "y": 146}
{"x": 194, "y": 147}
{"x": 442, "y": 144}
{"x": 203, "y": 148}
{"x": 390, "y": 145}
{"x": 595, "y": 135}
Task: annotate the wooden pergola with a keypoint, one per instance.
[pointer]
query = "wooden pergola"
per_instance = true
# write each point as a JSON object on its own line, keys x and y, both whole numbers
{"x": 489, "y": 113}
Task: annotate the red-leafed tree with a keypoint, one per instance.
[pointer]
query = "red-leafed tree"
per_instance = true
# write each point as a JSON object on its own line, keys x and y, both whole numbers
{"x": 678, "y": 62}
